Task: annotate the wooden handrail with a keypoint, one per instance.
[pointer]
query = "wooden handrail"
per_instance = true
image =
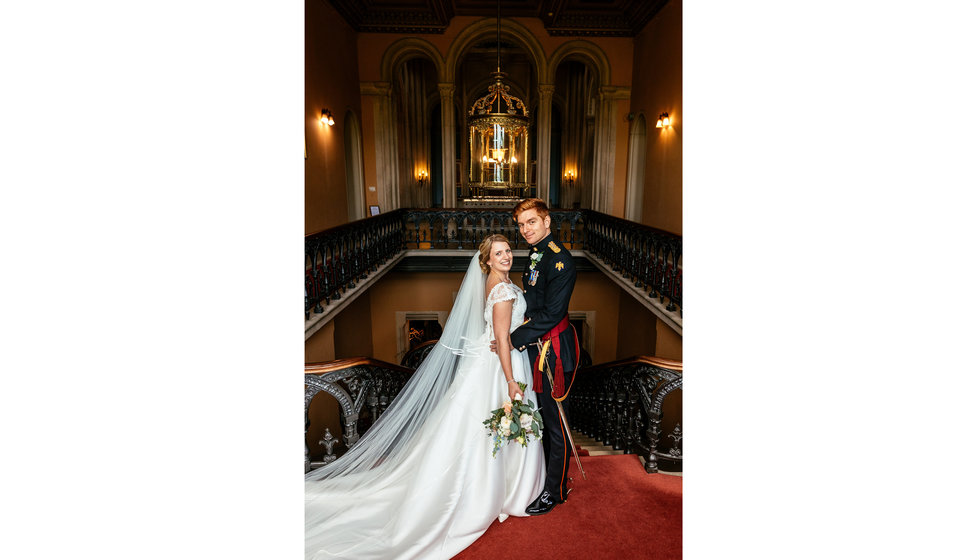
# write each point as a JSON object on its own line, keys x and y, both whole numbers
{"x": 651, "y": 360}
{"x": 319, "y": 368}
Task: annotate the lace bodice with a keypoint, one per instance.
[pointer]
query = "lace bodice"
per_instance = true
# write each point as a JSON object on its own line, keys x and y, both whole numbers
{"x": 503, "y": 292}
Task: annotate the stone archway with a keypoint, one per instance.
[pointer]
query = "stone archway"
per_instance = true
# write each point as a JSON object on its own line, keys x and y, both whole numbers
{"x": 516, "y": 34}
{"x": 584, "y": 51}
{"x": 386, "y": 137}
{"x": 610, "y": 97}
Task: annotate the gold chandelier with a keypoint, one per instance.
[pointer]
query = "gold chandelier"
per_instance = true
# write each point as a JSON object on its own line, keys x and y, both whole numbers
{"x": 498, "y": 126}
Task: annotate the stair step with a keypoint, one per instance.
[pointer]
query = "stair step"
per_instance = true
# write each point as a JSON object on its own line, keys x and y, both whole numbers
{"x": 593, "y": 446}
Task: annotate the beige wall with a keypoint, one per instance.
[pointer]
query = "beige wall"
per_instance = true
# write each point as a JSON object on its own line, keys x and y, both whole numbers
{"x": 637, "y": 328}
{"x": 320, "y": 347}
{"x": 657, "y": 88}
{"x": 407, "y": 291}
{"x": 331, "y": 83}
{"x": 595, "y": 292}
{"x": 669, "y": 343}
{"x": 433, "y": 291}
{"x": 353, "y": 327}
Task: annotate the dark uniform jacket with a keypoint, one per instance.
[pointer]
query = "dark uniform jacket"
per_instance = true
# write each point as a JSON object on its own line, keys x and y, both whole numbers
{"x": 548, "y": 281}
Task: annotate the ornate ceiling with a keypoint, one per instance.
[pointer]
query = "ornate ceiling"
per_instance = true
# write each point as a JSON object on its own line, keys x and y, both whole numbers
{"x": 588, "y": 18}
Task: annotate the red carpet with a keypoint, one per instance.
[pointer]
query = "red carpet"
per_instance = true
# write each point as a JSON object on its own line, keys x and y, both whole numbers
{"x": 619, "y": 512}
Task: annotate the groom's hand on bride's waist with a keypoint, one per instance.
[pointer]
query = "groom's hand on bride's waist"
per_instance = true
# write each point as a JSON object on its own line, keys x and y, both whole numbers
{"x": 493, "y": 346}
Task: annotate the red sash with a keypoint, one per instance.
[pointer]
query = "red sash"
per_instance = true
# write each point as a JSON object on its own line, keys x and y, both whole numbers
{"x": 559, "y": 385}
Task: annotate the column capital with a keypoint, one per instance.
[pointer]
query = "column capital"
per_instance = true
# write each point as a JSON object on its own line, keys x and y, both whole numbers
{"x": 375, "y": 88}
{"x": 546, "y": 89}
{"x": 614, "y": 92}
{"x": 446, "y": 89}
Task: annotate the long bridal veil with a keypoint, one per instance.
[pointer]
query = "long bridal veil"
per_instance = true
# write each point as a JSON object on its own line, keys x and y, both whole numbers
{"x": 388, "y": 442}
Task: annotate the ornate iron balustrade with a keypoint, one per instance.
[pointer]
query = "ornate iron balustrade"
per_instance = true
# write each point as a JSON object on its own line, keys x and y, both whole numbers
{"x": 414, "y": 357}
{"x": 621, "y": 404}
{"x": 650, "y": 257}
{"x": 437, "y": 228}
{"x": 337, "y": 258}
{"x": 363, "y": 387}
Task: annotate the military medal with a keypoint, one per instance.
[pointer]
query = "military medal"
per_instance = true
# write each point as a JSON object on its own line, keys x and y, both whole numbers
{"x": 534, "y": 277}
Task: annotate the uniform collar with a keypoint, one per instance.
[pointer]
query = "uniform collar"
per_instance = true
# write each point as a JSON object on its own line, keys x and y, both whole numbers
{"x": 543, "y": 243}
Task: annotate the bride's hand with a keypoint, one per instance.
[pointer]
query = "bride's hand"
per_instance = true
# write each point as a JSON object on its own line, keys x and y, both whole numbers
{"x": 493, "y": 346}
{"x": 513, "y": 390}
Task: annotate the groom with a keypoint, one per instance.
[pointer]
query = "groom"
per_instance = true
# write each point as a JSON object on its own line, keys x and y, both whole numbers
{"x": 548, "y": 283}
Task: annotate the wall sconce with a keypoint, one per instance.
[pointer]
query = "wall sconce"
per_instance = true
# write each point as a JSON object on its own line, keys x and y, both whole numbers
{"x": 423, "y": 176}
{"x": 326, "y": 117}
{"x": 663, "y": 120}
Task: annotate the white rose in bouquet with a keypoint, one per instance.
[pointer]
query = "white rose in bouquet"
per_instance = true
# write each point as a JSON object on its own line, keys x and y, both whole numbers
{"x": 505, "y": 429}
{"x": 526, "y": 420}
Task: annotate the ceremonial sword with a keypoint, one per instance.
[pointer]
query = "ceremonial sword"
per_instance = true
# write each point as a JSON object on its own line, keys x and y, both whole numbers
{"x": 561, "y": 410}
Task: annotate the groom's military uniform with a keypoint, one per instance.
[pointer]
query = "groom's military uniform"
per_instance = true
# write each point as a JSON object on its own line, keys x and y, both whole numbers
{"x": 548, "y": 281}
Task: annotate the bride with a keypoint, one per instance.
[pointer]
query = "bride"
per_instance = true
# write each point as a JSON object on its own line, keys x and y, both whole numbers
{"x": 423, "y": 482}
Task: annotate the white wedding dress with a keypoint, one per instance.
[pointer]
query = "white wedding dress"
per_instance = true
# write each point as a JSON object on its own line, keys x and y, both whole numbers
{"x": 434, "y": 487}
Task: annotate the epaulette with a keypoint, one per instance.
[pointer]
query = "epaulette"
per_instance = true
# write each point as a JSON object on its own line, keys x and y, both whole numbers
{"x": 554, "y": 247}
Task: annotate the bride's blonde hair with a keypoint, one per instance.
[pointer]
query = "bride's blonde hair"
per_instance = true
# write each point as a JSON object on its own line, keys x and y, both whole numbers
{"x": 485, "y": 246}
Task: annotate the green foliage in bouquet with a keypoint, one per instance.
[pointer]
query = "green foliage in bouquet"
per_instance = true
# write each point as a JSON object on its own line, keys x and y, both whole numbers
{"x": 514, "y": 421}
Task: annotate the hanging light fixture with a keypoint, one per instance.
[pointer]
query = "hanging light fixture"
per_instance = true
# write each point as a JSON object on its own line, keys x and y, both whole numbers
{"x": 498, "y": 124}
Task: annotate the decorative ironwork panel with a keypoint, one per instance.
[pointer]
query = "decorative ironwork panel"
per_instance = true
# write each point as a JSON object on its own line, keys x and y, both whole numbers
{"x": 337, "y": 258}
{"x": 361, "y": 390}
{"x": 621, "y": 404}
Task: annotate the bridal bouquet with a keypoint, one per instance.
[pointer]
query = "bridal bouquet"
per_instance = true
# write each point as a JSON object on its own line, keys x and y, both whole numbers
{"x": 513, "y": 421}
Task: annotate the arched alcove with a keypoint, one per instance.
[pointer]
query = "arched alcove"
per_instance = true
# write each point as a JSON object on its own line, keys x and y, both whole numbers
{"x": 414, "y": 83}
{"x": 354, "y": 163}
{"x": 406, "y": 49}
{"x": 577, "y": 95}
{"x": 583, "y": 51}
{"x": 486, "y": 29}
{"x": 470, "y": 62}
{"x": 635, "y": 168}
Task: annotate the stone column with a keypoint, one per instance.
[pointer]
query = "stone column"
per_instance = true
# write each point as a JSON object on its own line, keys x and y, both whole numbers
{"x": 385, "y": 144}
{"x": 545, "y": 93}
{"x": 448, "y": 145}
{"x": 605, "y": 146}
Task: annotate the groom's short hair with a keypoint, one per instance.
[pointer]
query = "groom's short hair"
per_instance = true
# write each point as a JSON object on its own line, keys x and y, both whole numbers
{"x": 531, "y": 204}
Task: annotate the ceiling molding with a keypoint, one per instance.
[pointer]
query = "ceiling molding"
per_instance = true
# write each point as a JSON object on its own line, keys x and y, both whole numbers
{"x": 567, "y": 18}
